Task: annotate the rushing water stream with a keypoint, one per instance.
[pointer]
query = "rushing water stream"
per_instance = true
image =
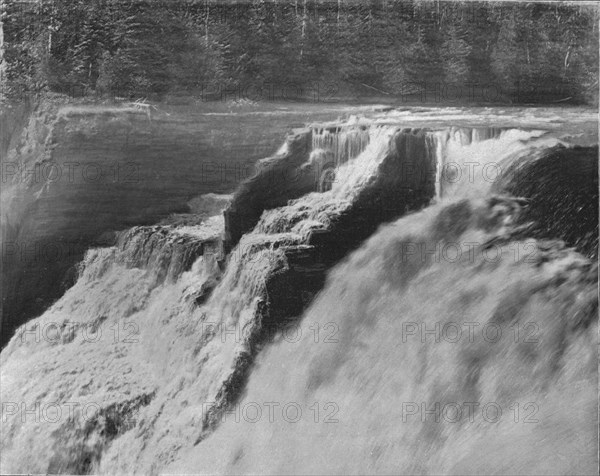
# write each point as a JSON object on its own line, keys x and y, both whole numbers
{"x": 447, "y": 335}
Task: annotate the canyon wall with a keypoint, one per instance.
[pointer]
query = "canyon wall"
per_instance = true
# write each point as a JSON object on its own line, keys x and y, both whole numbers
{"x": 72, "y": 174}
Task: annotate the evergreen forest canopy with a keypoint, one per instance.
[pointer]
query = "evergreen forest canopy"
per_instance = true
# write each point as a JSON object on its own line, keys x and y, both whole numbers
{"x": 429, "y": 51}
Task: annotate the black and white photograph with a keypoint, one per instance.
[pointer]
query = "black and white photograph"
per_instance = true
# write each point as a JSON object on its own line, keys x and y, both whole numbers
{"x": 299, "y": 237}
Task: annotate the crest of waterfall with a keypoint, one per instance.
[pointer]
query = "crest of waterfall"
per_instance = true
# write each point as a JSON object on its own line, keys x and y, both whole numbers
{"x": 469, "y": 163}
{"x": 345, "y": 142}
{"x": 315, "y": 210}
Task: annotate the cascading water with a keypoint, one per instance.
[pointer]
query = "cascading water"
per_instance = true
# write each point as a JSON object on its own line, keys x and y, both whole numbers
{"x": 456, "y": 351}
{"x": 186, "y": 344}
{"x": 236, "y": 321}
{"x": 467, "y": 166}
{"x": 392, "y": 392}
{"x": 104, "y": 331}
{"x": 141, "y": 285}
{"x": 345, "y": 142}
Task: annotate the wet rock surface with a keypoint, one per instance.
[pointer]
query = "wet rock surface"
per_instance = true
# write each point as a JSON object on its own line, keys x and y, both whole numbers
{"x": 561, "y": 192}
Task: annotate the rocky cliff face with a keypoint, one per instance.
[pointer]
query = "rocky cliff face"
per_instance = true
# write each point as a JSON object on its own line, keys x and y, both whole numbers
{"x": 72, "y": 173}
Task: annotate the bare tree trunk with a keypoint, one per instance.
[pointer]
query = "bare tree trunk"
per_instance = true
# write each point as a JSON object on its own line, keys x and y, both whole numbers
{"x": 3, "y": 15}
{"x": 303, "y": 28}
{"x": 50, "y": 27}
{"x": 566, "y": 63}
{"x": 304, "y": 19}
{"x": 206, "y": 5}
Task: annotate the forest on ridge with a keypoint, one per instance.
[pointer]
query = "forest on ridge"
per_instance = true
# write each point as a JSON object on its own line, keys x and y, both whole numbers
{"x": 427, "y": 51}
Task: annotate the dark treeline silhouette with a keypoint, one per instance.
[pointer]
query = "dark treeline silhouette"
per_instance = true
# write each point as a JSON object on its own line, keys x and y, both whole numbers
{"x": 430, "y": 51}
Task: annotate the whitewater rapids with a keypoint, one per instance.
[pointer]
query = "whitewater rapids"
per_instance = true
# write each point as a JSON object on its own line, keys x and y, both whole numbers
{"x": 434, "y": 357}
{"x": 367, "y": 379}
{"x": 444, "y": 344}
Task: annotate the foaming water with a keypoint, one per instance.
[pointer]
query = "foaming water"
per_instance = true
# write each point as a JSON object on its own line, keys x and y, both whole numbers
{"x": 468, "y": 166}
{"x": 315, "y": 210}
{"x": 376, "y": 381}
{"x": 109, "y": 344}
{"x": 455, "y": 350}
{"x": 361, "y": 368}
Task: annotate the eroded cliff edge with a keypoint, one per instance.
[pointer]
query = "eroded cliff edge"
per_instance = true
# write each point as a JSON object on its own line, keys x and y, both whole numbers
{"x": 74, "y": 173}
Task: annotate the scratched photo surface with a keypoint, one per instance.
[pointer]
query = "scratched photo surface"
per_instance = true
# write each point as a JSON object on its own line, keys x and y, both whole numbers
{"x": 299, "y": 237}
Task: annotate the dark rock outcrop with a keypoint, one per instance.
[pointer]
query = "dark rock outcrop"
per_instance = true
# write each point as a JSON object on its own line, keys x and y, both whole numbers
{"x": 561, "y": 189}
{"x": 279, "y": 178}
{"x": 93, "y": 436}
{"x": 163, "y": 251}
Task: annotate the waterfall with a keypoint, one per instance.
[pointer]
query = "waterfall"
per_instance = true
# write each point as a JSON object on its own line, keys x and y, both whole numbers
{"x": 441, "y": 138}
{"x": 170, "y": 339}
{"x": 121, "y": 322}
{"x": 470, "y": 160}
{"x": 445, "y": 347}
{"x": 345, "y": 142}
{"x": 162, "y": 289}
{"x": 386, "y": 386}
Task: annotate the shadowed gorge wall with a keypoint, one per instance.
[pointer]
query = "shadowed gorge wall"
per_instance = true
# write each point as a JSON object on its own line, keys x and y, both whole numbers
{"x": 76, "y": 172}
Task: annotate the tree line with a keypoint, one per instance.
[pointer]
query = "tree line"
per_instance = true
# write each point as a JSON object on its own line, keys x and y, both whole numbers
{"x": 421, "y": 50}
